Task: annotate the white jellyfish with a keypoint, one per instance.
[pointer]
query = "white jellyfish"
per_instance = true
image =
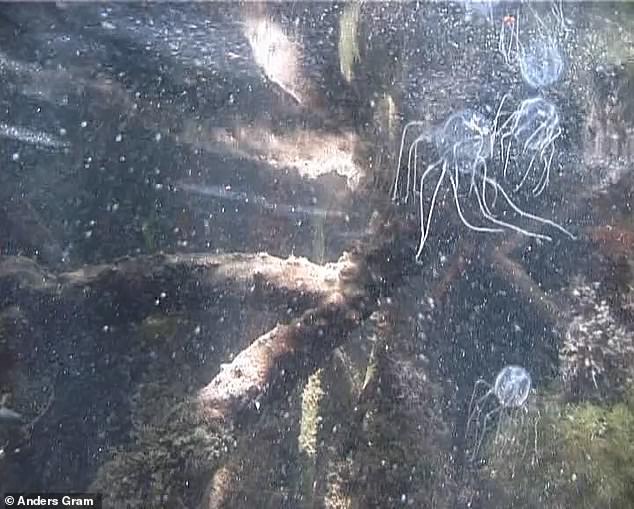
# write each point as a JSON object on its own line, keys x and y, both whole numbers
{"x": 528, "y": 136}
{"x": 464, "y": 145}
{"x": 536, "y": 49}
{"x": 505, "y": 403}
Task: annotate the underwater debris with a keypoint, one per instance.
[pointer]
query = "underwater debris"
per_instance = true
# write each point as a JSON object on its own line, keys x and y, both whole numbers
{"x": 613, "y": 241}
{"x": 597, "y": 355}
{"x": 282, "y": 209}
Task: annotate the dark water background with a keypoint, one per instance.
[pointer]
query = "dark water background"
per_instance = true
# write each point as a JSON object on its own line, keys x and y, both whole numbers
{"x": 131, "y": 129}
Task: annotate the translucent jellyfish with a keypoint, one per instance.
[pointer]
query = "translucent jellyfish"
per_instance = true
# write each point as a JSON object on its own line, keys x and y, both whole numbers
{"x": 527, "y": 137}
{"x": 536, "y": 50}
{"x": 505, "y": 403}
{"x": 464, "y": 145}
{"x": 541, "y": 61}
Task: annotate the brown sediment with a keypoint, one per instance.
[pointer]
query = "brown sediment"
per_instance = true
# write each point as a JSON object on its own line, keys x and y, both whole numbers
{"x": 613, "y": 241}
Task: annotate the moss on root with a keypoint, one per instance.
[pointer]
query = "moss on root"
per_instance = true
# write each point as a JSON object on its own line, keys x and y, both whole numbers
{"x": 584, "y": 458}
{"x": 168, "y": 465}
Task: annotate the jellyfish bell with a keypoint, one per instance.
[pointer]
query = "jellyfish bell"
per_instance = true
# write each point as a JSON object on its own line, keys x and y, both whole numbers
{"x": 498, "y": 407}
{"x": 512, "y": 386}
{"x": 541, "y": 61}
{"x": 465, "y": 139}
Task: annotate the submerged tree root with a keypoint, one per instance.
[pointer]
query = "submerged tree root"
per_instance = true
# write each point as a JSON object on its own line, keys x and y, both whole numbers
{"x": 521, "y": 282}
{"x": 132, "y": 288}
{"x": 175, "y": 462}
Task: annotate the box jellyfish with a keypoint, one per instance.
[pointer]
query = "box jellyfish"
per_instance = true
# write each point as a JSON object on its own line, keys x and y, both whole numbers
{"x": 464, "y": 146}
{"x": 504, "y": 402}
{"x": 527, "y": 137}
{"x": 535, "y": 49}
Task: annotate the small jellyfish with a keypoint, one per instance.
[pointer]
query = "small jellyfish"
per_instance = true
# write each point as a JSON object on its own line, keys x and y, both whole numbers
{"x": 536, "y": 50}
{"x": 541, "y": 61}
{"x": 529, "y": 134}
{"x": 505, "y": 401}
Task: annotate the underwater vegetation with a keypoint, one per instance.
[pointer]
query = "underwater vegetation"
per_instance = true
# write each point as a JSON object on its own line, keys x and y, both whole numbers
{"x": 606, "y": 436}
{"x": 598, "y": 345}
{"x": 584, "y": 457}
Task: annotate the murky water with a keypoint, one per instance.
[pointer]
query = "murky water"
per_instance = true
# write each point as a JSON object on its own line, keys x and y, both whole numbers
{"x": 494, "y": 137}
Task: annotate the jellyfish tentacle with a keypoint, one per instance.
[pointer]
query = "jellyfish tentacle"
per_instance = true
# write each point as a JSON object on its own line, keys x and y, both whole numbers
{"x": 412, "y": 168}
{"x": 413, "y": 174}
{"x": 471, "y": 412}
{"x": 528, "y": 144}
{"x": 407, "y": 126}
{"x": 482, "y": 229}
{"x": 529, "y": 215}
{"x": 526, "y": 173}
{"x": 545, "y": 178}
{"x": 425, "y": 225}
{"x": 525, "y": 444}
{"x": 512, "y": 120}
{"x": 484, "y": 184}
{"x": 489, "y": 415}
{"x": 497, "y": 118}
{"x": 537, "y": 420}
{"x": 502, "y": 435}
{"x": 509, "y": 226}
